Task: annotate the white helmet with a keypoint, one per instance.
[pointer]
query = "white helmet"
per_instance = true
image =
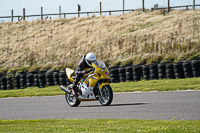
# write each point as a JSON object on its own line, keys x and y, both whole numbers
{"x": 90, "y": 58}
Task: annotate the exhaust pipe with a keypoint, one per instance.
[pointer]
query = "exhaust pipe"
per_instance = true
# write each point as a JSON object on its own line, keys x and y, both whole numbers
{"x": 65, "y": 89}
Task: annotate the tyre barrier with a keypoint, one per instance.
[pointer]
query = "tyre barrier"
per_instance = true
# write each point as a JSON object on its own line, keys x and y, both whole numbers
{"x": 36, "y": 80}
{"x": 30, "y": 80}
{"x": 186, "y": 69}
{"x": 178, "y": 70}
{"x": 153, "y": 71}
{"x": 3, "y": 83}
{"x": 146, "y": 72}
{"x": 49, "y": 79}
{"x": 42, "y": 80}
{"x": 169, "y": 71}
{"x": 162, "y": 70}
{"x": 129, "y": 73}
{"x": 62, "y": 78}
{"x": 22, "y": 80}
{"x": 9, "y": 83}
{"x": 114, "y": 75}
{"x": 137, "y": 73}
{"x": 56, "y": 78}
{"x": 17, "y": 82}
{"x": 122, "y": 75}
{"x": 41, "y": 72}
{"x": 113, "y": 67}
{"x": 195, "y": 68}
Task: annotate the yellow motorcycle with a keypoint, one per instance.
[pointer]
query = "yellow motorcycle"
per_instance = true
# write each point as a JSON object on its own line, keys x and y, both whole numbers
{"x": 93, "y": 86}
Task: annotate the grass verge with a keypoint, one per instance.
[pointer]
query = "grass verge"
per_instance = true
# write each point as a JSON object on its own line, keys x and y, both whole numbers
{"x": 100, "y": 125}
{"x": 151, "y": 85}
{"x": 158, "y": 85}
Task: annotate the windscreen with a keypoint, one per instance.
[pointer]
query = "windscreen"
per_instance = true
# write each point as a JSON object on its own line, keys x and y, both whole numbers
{"x": 100, "y": 64}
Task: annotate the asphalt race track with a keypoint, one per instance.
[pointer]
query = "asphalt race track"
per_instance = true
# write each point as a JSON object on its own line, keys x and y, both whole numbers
{"x": 147, "y": 105}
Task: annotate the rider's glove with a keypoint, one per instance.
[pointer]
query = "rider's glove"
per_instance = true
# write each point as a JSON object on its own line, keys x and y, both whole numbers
{"x": 92, "y": 69}
{"x": 87, "y": 71}
{"x": 80, "y": 73}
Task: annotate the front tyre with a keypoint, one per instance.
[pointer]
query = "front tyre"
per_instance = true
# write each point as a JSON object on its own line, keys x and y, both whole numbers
{"x": 72, "y": 100}
{"x": 107, "y": 95}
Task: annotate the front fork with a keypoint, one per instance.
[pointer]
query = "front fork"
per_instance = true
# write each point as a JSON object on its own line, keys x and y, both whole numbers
{"x": 100, "y": 90}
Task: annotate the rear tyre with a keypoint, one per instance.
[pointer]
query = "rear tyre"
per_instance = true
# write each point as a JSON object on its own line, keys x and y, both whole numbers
{"x": 107, "y": 95}
{"x": 72, "y": 100}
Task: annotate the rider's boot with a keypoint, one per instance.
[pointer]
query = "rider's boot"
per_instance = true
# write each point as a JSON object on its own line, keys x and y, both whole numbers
{"x": 74, "y": 90}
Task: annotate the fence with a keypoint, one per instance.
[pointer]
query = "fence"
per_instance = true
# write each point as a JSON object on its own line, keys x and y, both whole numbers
{"x": 24, "y": 16}
{"x": 78, "y": 13}
{"x": 174, "y": 7}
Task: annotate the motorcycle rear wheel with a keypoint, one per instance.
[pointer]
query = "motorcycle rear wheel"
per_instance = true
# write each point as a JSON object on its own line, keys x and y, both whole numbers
{"x": 107, "y": 95}
{"x": 72, "y": 100}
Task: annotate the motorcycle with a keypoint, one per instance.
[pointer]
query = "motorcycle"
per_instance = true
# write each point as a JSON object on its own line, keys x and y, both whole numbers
{"x": 92, "y": 87}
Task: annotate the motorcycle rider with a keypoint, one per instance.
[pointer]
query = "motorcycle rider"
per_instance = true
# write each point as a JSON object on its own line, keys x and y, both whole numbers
{"x": 85, "y": 62}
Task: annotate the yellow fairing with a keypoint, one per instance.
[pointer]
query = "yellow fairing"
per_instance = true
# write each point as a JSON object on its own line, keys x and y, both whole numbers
{"x": 93, "y": 78}
{"x": 103, "y": 84}
{"x": 70, "y": 73}
{"x": 98, "y": 74}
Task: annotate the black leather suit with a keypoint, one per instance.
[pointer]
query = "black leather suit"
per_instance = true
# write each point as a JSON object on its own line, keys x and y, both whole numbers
{"x": 79, "y": 70}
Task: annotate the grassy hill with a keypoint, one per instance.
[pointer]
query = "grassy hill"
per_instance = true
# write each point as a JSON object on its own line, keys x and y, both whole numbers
{"x": 135, "y": 37}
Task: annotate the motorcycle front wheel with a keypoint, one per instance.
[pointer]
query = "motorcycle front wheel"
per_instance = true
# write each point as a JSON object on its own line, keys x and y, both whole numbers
{"x": 72, "y": 100}
{"x": 107, "y": 95}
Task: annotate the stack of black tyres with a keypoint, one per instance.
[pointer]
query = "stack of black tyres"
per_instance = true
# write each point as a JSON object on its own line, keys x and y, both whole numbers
{"x": 67, "y": 81}
{"x": 36, "y": 80}
{"x": 42, "y": 79}
{"x": 17, "y": 81}
{"x": 129, "y": 73}
{"x": 29, "y": 80}
{"x": 162, "y": 70}
{"x": 195, "y": 68}
{"x": 3, "y": 83}
{"x": 137, "y": 73}
{"x": 187, "y": 68}
{"x": 178, "y": 70}
{"x": 9, "y": 83}
{"x": 56, "y": 78}
{"x": 153, "y": 71}
{"x": 122, "y": 75}
{"x": 113, "y": 67}
{"x": 62, "y": 78}
{"x": 146, "y": 72}
{"x": 170, "y": 71}
{"x": 22, "y": 80}
{"x": 114, "y": 74}
{"x": 49, "y": 78}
